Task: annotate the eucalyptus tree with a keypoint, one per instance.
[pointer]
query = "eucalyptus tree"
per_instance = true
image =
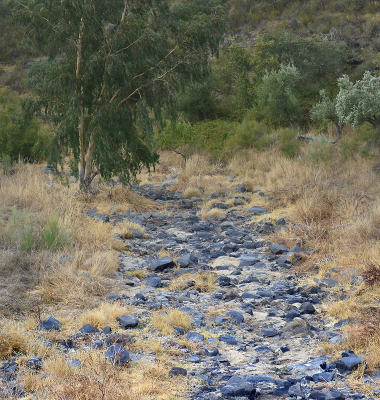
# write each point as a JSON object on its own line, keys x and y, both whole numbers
{"x": 111, "y": 72}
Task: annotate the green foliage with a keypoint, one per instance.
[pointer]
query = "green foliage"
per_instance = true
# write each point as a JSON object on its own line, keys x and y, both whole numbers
{"x": 197, "y": 101}
{"x": 181, "y": 138}
{"x": 214, "y": 134}
{"x": 232, "y": 77}
{"x": 28, "y": 233}
{"x": 114, "y": 68}
{"x": 360, "y": 143}
{"x": 289, "y": 144}
{"x": 317, "y": 60}
{"x": 326, "y": 110}
{"x": 277, "y": 97}
{"x": 249, "y": 133}
{"x": 6, "y": 164}
{"x": 52, "y": 236}
{"x": 19, "y": 134}
{"x": 359, "y": 102}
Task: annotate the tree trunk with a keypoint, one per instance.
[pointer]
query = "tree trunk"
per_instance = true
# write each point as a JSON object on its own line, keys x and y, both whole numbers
{"x": 88, "y": 175}
{"x": 338, "y": 130}
{"x": 81, "y": 164}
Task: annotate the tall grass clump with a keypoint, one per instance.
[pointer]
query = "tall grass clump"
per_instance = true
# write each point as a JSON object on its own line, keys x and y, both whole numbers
{"x": 27, "y": 232}
{"x": 319, "y": 151}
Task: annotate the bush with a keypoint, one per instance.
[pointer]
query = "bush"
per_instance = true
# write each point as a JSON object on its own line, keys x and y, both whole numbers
{"x": 362, "y": 142}
{"x": 249, "y": 133}
{"x": 20, "y": 136}
{"x": 197, "y": 101}
{"x": 289, "y": 144}
{"x": 181, "y": 138}
{"x": 214, "y": 134}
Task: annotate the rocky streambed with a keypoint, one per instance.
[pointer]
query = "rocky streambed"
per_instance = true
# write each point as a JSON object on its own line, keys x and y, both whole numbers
{"x": 257, "y": 331}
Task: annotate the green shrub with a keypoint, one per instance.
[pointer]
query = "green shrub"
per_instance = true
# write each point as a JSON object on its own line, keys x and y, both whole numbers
{"x": 20, "y": 135}
{"x": 197, "y": 101}
{"x": 363, "y": 142}
{"x": 289, "y": 144}
{"x": 214, "y": 134}
{"x": 6, "y": 164}
{"x": 249, "y": 133}
{"x": 181, "y": 138}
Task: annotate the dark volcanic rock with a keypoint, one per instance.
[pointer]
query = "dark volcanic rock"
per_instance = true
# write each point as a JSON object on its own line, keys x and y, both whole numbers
{"x": 349, "y": 363}
{"x": 162, "y": 264}
{"x": 88, "y": 328}
{"x": 175, "y": 371}
{"x": 187, "y": 260}
{"x": 118, "y": 355}
{"x": 50, "y": 324}
{"x": 257, "y": 210}
{"x": 195, "y": 337}
{"x": 277, "y": 248}
{"x": 236, "y": 316}
{"x": 127, "y": 322}
{"x": 229, "y": 339}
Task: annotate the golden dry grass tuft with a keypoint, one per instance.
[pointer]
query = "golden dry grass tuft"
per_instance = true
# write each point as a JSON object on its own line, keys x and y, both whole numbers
{"x": 99, "y": 379}
{"x": 203, "y": 282}
{"x": 125, "y": 229}
{"x": 166, "y": 320}
{"x": 191, "y": 192}
{"x": 104, "y": 315}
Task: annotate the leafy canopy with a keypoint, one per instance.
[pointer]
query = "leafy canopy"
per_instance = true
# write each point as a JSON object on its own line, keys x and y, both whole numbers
{"x": 113, "y": 68}
{"x": 277, "y": 96}
{"x": 20, "y": 136}
{"x": 359, "y": 102}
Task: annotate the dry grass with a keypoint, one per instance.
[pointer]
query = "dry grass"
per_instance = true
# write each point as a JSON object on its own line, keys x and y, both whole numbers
{"x": 104, "y": 315}
{"x": 203, "y": 282}
{"x": 125, "y": 229}
{"x": 166, "y": 320}
{"x": 191, "y": 192}
{"x": 99, "y": 379}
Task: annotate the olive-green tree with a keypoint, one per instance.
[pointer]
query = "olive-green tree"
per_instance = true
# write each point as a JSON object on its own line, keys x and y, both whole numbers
{"x": 112, "y": 71}
{"x": 359, "y": 102}
{"x": 325, "y": 109}
{"x": 277, "y": 96}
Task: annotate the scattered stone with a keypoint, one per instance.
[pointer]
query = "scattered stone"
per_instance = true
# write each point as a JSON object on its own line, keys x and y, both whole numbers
{"x": 176, "y": 371}
{"x": 228, "y": 339}
{"x": 348, "y": 363}
{"x": 88, "y": 328}
{"x": 162, "y": 264}
{"x": 257, "y": 210}
{"x": 236, "y": 316}
{"x": 187, "y": 260}
{"x": 127, "y": 322}
{"x": 50, "y": 324}
{"x": 195, "y": 337}
{"x": 277, "y": 248}
{"x": 118, "y": 355}
{"x": 154, "y": 281}
{"x": 269, "y": 332}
